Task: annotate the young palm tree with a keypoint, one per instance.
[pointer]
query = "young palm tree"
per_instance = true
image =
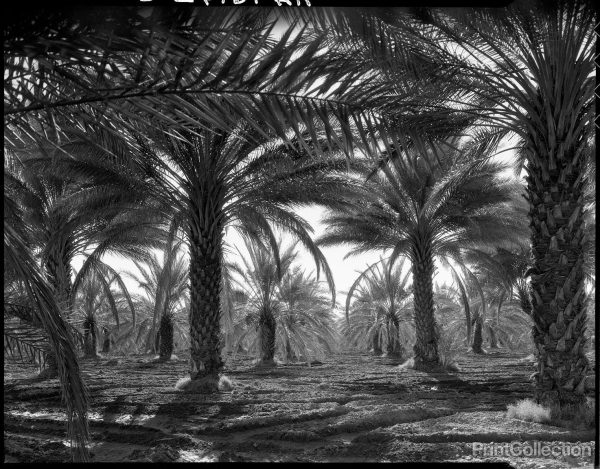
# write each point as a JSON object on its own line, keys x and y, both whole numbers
{"x": 166, "y": 286}
{"x": 381, "y": 306}
{"x": 285, "y": 314}
{"x": 306, "y": 328}
{"x": 95, "y": 299}
{"x": 442, "y": 203}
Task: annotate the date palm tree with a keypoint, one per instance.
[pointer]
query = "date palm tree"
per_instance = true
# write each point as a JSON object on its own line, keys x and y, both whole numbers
{"x": 306, "y": 328}
{"x": 382, "y": 304}
{"x": 285, "y": 312}
{"x": 95, "y": 298}
{"x": 71, "y": 215}
{"x": 442, "y": 203}
{"x": 166, "y": 285}
{"x": 528, "y": 70}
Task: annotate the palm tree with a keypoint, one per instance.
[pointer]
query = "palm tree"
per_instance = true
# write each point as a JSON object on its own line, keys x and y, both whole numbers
{"x": 441, "y": 203}
{"x": 528, "y": 70}
{"x": 285, "y": 312}
{"x": 262, "y": 277}
{"x": 96, "y": 298}
{"x": 70, "y": 215}
{"x": 165, "y": 284}
{"x": 306, "y": 328}
{"x": 382, "y": 304}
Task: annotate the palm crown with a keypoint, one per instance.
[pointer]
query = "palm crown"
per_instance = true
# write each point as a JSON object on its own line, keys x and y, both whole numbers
{"x": 440, "y": 204}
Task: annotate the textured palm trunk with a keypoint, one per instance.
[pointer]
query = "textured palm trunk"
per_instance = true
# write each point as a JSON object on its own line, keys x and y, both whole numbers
{"x": 205, "y": 294}
{"x": 555, "y": 192}
{"x": 478, "y": 337}
{"x": 426, "y": 347}
{"x": 166, "y": 337}
{"x": 267, "y": 327}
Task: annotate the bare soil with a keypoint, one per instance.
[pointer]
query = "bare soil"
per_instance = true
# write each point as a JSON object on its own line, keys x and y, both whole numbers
{"x": 349, "y": 408}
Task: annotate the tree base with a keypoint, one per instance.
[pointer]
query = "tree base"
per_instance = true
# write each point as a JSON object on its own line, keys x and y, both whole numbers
{"x": 428, "y": 366}
{"x": 204, "y": 385}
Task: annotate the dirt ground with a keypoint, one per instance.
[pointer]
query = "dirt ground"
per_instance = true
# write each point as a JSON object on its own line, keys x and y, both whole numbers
{"x": 349, "y": 408}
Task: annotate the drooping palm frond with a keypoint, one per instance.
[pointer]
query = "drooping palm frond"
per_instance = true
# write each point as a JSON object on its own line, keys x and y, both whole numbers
{"x": 16, "y": 254}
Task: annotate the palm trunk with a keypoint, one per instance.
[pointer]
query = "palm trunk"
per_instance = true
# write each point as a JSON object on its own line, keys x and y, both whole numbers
{"x": 493, "y": 340}
{"x": 166, "y": 337}
{"x": 89, "y": 339}
{"x": 426, "y": 347}
{"x": 267, "y": 327}
{"x": 106, "y": 342}
{"x": 377, "y": 343}
{"x": 478, "y": 336}
{"x": 205, "y": 308}
{"x": 394, "y": 346}
{"x": 555, "y": 192}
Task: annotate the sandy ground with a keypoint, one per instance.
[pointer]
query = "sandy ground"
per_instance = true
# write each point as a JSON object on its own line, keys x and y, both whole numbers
{"x": 349, "y": 408}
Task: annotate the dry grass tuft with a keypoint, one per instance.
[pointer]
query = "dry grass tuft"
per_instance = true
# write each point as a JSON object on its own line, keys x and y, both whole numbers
{"x": 225, "y": 384}
{"x": 529, "y": 410}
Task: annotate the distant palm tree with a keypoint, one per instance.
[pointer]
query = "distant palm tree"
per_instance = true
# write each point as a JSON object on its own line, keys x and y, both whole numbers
{"x": 306, "y": 327}
{"x": 166, "y": 286}
{"x": 95, "y": 298}
{"x": 443, "y": 202}
{"x": 382, "y": 304}
{"x": 286, "y": 312}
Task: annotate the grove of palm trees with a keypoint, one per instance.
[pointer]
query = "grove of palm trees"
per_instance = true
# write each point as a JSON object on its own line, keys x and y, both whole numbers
{"x": 300, "y": 234}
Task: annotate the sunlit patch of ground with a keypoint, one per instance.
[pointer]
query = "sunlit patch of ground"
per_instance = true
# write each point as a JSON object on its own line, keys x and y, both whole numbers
{"x": 349, "y": 408}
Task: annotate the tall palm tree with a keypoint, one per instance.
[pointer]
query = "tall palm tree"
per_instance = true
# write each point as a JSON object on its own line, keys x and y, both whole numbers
{"x": 235, "y": 180}
{"x": 528, "y": 70}
{"x": 382, "y": 303}
{"x": 422, "y": 205}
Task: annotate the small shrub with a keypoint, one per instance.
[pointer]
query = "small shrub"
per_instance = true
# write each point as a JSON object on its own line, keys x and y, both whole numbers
{"x": 530, "y": 411}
